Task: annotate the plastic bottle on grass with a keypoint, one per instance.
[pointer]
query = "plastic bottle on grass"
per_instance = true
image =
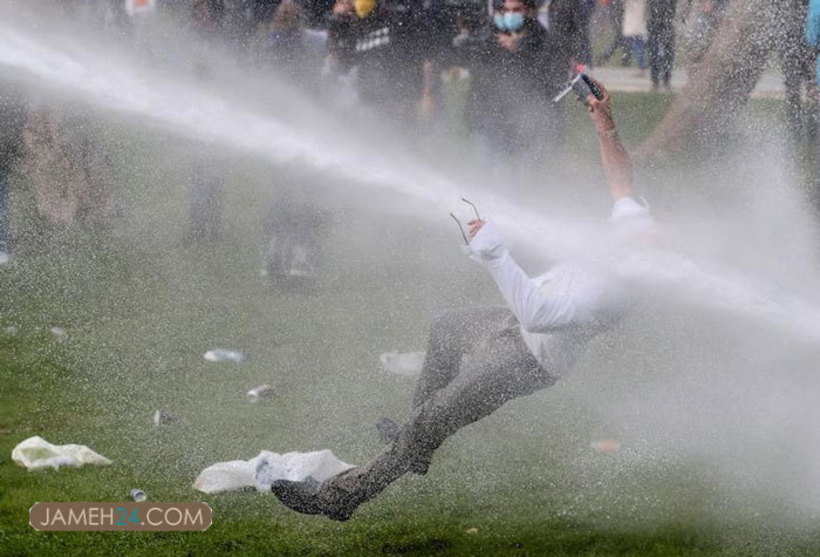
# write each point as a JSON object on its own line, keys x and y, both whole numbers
{"x": 224, "y": 355}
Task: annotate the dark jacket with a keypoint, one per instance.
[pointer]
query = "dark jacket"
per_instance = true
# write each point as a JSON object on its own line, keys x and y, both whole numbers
{"x": 389, "y": 47}
{"x": 569, "y": 21}
{"x": 510, "y": 99}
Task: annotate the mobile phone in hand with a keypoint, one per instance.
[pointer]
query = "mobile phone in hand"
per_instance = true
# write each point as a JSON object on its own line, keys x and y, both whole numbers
{"x": 583, "y": 86}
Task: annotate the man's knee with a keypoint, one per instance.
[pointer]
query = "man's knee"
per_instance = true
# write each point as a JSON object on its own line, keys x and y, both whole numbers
{"x": 466, "y": 322}
{"x": 446, "y": 321}
{"x": 446, "y": 331}
{"x": 534, "y": 381}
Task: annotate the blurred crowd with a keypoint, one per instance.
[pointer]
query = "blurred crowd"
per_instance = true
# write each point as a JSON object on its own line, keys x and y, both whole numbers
{"x": 393, "y": 58}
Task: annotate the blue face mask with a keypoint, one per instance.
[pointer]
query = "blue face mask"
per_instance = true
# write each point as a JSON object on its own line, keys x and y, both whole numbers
{"x": 509, "y": 21}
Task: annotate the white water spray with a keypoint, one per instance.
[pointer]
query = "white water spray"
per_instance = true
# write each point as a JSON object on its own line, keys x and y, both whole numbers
{"x": 111, "y": 82}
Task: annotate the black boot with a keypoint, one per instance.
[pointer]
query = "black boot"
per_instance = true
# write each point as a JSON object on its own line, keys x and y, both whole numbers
{"x": 308, "y": 497}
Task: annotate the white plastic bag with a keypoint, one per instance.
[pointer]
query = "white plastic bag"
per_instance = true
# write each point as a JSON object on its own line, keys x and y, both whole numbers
{"x": 296, "y": 467}
{"x": 402, "y": 363}
{"x": 226, "y": 476}
{"x": 224, "y": 355}
{"x": 266, "y": 468}
{"x": 35, "y": 453}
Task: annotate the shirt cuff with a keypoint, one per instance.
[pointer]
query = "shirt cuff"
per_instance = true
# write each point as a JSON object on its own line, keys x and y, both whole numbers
{"x": 486, "y": 246}
{"x": 628, "y": 207}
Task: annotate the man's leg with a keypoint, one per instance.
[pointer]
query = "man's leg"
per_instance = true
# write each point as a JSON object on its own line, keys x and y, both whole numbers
{"x": 500, "y": 370}
{"x": 639, "y": 51}
{"x": 655, "y": 57}
{"x": 451, "y": 336}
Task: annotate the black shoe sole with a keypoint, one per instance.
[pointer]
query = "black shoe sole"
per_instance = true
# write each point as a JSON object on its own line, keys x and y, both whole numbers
{"x": 303, "y": 498}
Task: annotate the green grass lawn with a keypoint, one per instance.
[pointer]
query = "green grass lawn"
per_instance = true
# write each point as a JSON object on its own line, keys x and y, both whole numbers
{"x": 140, "y": 308}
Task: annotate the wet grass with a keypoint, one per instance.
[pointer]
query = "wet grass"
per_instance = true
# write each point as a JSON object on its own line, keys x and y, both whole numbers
{"x": 139, "y": 308}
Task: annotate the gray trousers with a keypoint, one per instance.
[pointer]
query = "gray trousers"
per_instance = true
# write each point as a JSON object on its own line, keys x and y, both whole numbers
{"x": 476, "y": 361}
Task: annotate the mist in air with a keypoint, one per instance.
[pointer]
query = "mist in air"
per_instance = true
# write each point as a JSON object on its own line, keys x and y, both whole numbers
{"x": 714, "y": 373}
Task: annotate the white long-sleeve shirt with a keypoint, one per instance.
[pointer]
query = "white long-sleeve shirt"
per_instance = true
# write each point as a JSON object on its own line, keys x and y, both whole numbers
{"x": 562, "y": 309}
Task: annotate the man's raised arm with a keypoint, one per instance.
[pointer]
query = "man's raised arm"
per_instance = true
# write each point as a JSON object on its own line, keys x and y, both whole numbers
{"x": 616, "y": 161}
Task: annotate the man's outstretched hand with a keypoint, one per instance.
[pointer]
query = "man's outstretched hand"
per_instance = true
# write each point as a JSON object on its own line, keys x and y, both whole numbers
{"x": 486, "y": 246}
{"x": 475, "y": 226}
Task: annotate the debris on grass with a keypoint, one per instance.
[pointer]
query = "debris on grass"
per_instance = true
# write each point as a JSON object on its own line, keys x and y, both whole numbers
{"x": 260, "y": 472}
{"x": 606, "y": 445}
{"x": 402, "y": 363}
{"x": 260, "y": 392}
{"x": 223, "y": 355}
{"x": 162, "y": 417}
{"x": 138, "y": 495}
{"x": 35, "y": 453}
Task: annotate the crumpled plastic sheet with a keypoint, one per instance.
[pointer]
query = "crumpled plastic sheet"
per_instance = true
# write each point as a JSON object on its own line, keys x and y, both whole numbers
{"x": 224, "y": 355}
{"x": 260, "y": 472}
{"x": 402, "y": 363}
{"x": 35, "y": 453}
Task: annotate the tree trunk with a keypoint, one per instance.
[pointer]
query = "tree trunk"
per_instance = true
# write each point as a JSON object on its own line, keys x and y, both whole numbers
{"x": 720, "y": 84}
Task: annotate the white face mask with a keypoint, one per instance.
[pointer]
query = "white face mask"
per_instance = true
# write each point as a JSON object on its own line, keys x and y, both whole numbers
{"x": 509, "y": 21}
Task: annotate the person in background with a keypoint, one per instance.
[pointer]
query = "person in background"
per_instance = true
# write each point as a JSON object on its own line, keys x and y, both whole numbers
{"x": 206, "y": 16}
{"x": 206, "y": 184}
{"x": 238, "y": 24}
{"x": 796, "y": 61}
{"x": 292, "y": 233}
{"x": 511, "y": 351}
{"x": 137, "y": 7}
{"x": 206, "y": 198}
{"x": 392, "y": 45}
{"x": 262, "y": 11}
{"x": 701, "y": 19}
{"x": 137, "y": 19}
{"x": 516, "y": 68}
{"x": 12, "y": 119}
{"x": 340, "y": 73}
{"x": 615, "y": 13}
{"x": 295, "y": 51}
{"x": 341, "y": 40}
{"x": 812, "y": 36}
{"x": 110, "y": 16}
{"x": 634, "y": 31}
{"x": 317, "y": 13}
{"x": 661, "y": 28}
{"x": 569, "y": 20}
{"x": 65, "y": 162}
